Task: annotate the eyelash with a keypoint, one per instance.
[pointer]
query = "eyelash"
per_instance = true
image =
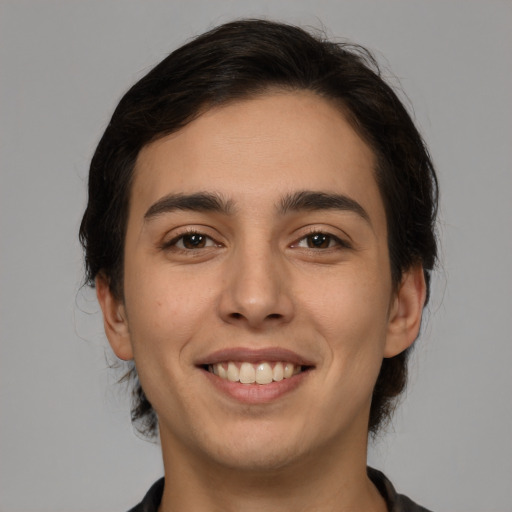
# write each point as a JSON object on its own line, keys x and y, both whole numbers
{"x": 173, "y": 244}
{"x": 338, "y": 242}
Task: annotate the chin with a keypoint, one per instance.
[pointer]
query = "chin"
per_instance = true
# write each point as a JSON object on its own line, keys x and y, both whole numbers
{"x": 256, "y": 459}
{"x": 255, "y": 449}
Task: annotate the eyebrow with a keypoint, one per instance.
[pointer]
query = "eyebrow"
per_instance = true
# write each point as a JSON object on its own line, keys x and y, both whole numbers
{"x": 198, "y": 202}
{"x": 311, "y": 201}
{"x": 304, "y": 200}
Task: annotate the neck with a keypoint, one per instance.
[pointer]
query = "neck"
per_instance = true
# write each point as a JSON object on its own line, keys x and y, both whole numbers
{"x": 333, "y": 479}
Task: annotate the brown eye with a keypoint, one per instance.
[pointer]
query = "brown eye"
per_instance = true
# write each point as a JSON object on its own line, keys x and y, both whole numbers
{"x": 319, "y": 241}
{"x": 191, "y": 241}
{"x": 194, "y": 241}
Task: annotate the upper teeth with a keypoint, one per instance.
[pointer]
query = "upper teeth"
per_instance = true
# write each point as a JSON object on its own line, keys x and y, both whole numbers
{"x": 248, "y": 373}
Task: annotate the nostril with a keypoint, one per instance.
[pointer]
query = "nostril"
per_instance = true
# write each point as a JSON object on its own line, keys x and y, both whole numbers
{"x": 236, "y": 315}
{"x": 274, "y": 316}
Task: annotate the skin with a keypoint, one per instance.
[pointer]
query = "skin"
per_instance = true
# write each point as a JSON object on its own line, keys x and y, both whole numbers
{"x": 258, "y": 281}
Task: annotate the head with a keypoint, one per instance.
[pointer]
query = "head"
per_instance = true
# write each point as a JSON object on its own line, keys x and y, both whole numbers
{"x": 252, "y": 59}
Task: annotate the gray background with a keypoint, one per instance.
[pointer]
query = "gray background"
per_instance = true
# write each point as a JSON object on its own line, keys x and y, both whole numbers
{"x": 65, "y": 439}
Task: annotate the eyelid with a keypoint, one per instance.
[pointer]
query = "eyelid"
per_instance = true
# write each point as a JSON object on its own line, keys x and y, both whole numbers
{"x": 342, "y": 241}
{"x": 187, "y": 231}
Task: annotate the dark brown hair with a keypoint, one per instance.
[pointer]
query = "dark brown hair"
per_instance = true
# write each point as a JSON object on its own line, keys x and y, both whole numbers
{"x": 240, "y": 60}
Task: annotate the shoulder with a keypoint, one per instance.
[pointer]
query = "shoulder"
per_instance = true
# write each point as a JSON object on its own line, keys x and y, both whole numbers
{"x": 395, "y": 502}
{"x": 152, "y": 500}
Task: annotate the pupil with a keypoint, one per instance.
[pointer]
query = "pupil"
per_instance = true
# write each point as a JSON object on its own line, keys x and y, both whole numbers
{"x": 193, "y": 241}
{"x": 319, "y": 240}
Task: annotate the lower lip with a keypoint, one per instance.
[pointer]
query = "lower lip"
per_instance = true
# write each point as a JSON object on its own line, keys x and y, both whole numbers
{"x": 256, "y": 393}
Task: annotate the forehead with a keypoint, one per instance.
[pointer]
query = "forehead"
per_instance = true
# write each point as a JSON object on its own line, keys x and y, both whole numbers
{"x": 259, "y": 149}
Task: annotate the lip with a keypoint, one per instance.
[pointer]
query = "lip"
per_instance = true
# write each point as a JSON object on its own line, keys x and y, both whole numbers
{"x": 253, "y": 394}
{"x": 270, "y": 354}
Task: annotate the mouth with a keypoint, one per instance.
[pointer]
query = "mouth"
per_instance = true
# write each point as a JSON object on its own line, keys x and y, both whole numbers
{"x": 255, "y": 376}
{"x": 262, "y": 373}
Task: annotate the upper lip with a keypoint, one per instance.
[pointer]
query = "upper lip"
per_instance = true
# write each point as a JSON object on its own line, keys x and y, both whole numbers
{"x": 270, "y": 354}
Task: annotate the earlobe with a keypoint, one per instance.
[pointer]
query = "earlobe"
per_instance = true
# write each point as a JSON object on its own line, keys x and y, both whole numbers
{"x": 114, "y": 319}
{"x": 406, "y": 312}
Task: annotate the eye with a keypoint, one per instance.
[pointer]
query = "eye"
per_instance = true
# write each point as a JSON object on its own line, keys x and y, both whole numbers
{"x": 191, "y": 241}
{"x": 320, "y": 241}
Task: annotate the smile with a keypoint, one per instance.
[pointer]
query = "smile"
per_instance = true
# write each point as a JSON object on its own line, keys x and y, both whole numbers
{"x": 255, "y": 376}
{"x": 260, "y": 373}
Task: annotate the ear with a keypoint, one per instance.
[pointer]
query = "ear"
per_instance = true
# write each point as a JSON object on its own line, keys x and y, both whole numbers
{"x": 114, "y": 319}
{"x": 406, "y": 312}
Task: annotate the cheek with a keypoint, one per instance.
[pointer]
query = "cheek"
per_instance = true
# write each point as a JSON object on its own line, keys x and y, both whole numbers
{"x": 165, "y": 312}
{"x": 347, "y": 301}
{"x": 166, "y": 307}
{"x": 350, "y": 312}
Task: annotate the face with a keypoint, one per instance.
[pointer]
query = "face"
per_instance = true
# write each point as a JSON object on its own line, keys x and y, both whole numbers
{"x": 258, "y": 302}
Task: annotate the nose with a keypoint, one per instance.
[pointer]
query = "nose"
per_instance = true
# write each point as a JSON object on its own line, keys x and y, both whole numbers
{"x": 257, "y": 290}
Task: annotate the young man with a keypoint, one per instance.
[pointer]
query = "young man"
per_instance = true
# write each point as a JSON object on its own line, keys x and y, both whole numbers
{"x": 260, "y": 232}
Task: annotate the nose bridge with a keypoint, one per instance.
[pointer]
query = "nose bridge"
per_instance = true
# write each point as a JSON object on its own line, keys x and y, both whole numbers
{"x": 257, "y": 284}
